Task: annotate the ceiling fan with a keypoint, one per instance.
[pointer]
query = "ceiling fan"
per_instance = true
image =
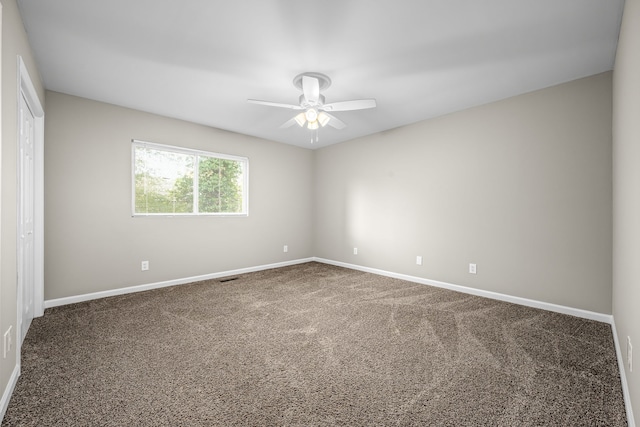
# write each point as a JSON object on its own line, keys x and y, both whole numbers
{"x": 314, "y": 112}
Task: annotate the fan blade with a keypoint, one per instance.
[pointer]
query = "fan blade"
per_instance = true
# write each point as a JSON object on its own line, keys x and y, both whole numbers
{"x": 335, "y": 122}
{"x": 288, "y": 123}
{"x": 357, "y": 104}
{"x": 311, "y": 89}
{"x": 275, "y": 104}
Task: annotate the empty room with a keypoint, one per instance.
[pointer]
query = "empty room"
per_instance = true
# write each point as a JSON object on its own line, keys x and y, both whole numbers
{"x": 338, "y": 213}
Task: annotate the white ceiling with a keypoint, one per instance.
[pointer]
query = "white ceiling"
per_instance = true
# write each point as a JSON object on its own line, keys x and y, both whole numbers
{"x": 199, "y": 60}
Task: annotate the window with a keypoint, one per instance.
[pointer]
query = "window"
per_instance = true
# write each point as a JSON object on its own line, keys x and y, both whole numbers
{"x": 178, "y": 181}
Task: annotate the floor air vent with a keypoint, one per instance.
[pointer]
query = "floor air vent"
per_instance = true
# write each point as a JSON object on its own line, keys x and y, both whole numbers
{"x": 228, "y": 280}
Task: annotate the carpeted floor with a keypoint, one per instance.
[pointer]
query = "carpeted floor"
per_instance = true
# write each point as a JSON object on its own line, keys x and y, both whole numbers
{"x": 314, "y": 345}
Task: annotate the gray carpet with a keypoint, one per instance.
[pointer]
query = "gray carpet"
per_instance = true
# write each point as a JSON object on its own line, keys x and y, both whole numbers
{"x": 314, "y": 345}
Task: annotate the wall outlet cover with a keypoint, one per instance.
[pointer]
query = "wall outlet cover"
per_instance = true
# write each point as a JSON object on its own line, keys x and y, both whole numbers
{"x": 472, "y": 269}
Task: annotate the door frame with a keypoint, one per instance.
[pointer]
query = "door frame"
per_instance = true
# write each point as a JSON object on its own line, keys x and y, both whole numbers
{"x": 27, "y": 90}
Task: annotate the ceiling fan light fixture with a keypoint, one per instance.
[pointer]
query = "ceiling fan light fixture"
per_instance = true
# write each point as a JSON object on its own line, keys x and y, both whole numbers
{"x": 313, "y": 125}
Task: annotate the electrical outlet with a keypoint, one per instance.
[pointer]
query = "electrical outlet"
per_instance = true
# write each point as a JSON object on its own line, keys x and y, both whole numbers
{"x": 7, "y": 343}
{"x": 629, "y": 354}
{"x": 355, "y": 251}
{"x": 285, "y": 249}
{"x": 144, "y": 266}
{"x": 419, "y": 260}
{"x": 472, "y": 268}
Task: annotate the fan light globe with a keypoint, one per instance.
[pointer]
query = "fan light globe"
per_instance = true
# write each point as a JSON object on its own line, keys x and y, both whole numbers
{"x": 312, "y": 125}
{"x": 301, "y": 119}
{"x": 323, "y": 118}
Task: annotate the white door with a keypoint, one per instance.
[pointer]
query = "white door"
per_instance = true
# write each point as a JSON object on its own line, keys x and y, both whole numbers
{"x": 26, "y": 253}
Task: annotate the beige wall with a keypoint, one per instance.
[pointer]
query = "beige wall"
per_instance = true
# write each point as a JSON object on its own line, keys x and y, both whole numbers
{"x": 626, "y": 192}
{"x": 521, "y": 187}
{"x": 92, "y": 243}
{"x": 14, "y": 43}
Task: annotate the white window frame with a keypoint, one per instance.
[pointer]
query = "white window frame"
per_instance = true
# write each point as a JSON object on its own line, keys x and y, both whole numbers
{"x": 244, "y": 161}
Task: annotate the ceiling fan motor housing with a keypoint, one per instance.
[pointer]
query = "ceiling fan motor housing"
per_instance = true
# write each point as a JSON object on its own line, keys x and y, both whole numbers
{"x": 305, "y": 104}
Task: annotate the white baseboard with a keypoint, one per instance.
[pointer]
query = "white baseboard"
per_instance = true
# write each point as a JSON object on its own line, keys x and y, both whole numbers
{"x": 606, "y": 318}
{"x": 623, "y": 377}
{"x": 8, "y": 391}
{"x": 600, "y": 317}
{"x": 131, "y": 289}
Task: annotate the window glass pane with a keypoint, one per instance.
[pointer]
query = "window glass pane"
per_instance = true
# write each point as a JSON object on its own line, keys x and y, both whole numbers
{"x": 167, "y": 179}
{"x": 163, "y": 181}
{"x": 220, "y": 185}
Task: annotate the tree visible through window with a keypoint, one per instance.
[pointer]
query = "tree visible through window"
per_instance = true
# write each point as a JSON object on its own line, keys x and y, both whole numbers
{"x": 177, "y": 181}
